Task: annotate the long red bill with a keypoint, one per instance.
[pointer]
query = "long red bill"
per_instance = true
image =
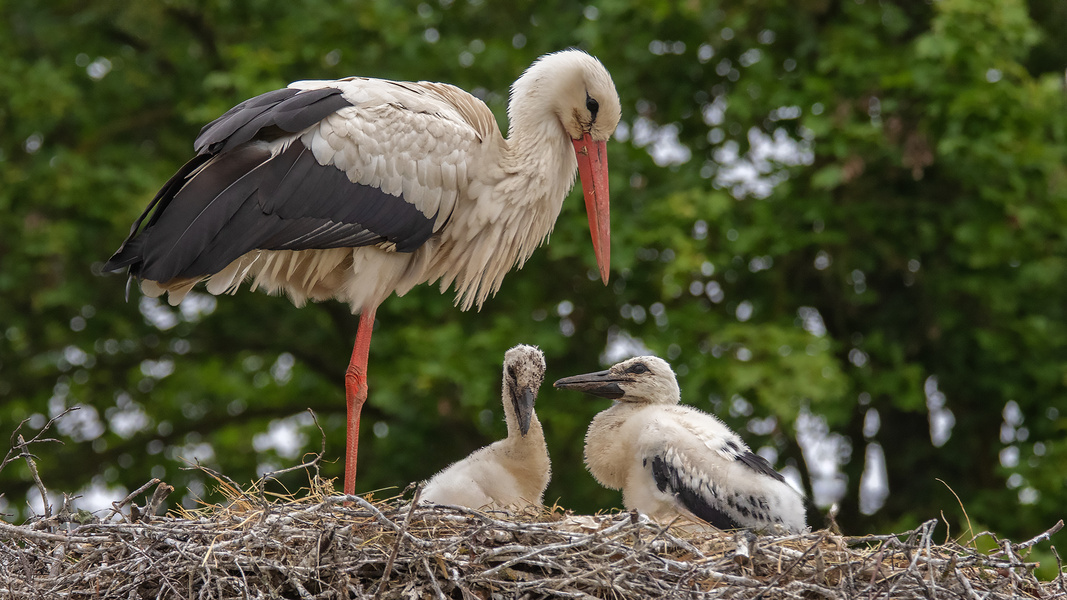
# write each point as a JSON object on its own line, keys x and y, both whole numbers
{"x": 593, "y": 169}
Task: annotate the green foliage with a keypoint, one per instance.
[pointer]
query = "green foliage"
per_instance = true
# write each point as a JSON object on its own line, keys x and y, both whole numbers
{"x": 909, "y": 248}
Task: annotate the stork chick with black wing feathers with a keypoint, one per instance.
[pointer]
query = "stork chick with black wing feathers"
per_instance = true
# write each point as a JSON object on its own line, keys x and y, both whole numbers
{"x": 512, "y": 472}
{"x": 672, "y": 460}
{"x": 359, "y": 188}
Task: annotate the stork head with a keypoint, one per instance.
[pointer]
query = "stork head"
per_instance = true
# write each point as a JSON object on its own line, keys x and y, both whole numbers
{"x": 579, "y": 92}
{"x": 524, "y": 370}
{"x": 641, "y": 380}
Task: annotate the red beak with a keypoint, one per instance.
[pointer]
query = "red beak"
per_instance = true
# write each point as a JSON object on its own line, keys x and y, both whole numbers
{"x": 593, "y": 169}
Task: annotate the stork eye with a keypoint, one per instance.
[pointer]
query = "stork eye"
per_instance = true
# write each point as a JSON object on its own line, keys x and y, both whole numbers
{"x": 638, "y": 369}
{"x": 592, "y": 105}
{"x": 511, "y": 372}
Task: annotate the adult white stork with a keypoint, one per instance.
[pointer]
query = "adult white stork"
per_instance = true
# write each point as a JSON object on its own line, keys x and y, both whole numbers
{"x": 514, "y": 471}
{"x": 359, "y": 188}
{"x": 671, "y": 460}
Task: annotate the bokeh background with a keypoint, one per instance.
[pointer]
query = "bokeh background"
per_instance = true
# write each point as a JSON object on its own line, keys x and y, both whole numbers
{"x": 843, "y": 222}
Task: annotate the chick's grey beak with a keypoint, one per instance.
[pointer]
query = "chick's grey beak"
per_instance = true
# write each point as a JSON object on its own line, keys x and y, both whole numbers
{"x": 601, "y": 383}
{"x": 522, "y": 399}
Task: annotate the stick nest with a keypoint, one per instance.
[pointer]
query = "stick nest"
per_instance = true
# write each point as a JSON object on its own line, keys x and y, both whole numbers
{"x": 323, "y": 545}
{"x": 331, "y": 546}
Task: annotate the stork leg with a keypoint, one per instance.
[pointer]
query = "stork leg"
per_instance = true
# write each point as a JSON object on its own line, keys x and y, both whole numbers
{"x": 356, "y": 393}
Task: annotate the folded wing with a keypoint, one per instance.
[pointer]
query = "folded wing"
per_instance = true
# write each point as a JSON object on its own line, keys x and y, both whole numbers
{"x": 317, "y": 165}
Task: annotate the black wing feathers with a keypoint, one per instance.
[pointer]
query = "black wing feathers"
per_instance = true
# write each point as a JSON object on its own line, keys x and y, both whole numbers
{"x": 343, "y": 213}
{"x": 176, "y": 240}
{"x": 669, "y": 480}
{"x": 289, "y": 110}
{"x": 760, "y": 465}
{"x": 235, "y": 197}
{"x": 737, "y": 452}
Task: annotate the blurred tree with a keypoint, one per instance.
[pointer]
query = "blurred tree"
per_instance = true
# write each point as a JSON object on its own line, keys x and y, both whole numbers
{"x": 841, "y": 221}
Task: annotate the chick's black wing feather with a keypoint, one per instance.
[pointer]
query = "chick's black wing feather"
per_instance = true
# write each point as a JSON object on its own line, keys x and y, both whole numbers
{"x": 701, "y": 498}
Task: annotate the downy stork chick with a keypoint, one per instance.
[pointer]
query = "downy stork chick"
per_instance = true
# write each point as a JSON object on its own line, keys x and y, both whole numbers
{"x": 512, "y": 472}
{"x": 360, "y": 188}
{"x": 672, "y": 460}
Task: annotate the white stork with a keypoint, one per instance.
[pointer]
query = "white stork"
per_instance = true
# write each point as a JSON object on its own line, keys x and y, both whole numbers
{"x": 359, "y": 188}
{"x": 671, "y": 460}
{"x": 512, "y": 472}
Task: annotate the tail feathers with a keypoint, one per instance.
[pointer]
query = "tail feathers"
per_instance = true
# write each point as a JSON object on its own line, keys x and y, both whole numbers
{"x": 176, "y": 290}
{"x": 129, "y": 254}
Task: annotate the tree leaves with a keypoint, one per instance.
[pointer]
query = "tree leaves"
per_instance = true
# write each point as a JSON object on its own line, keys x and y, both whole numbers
{"x": 914, "y": 256}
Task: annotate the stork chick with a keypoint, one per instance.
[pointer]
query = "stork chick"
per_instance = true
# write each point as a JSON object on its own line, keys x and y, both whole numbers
{"x": 671, "y": 460}
{"x": 512, "y": 472}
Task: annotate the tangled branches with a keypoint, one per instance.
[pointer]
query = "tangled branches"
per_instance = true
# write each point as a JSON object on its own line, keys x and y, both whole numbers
{"x": 324, "y": 545}
{"x": 329, "y": 546}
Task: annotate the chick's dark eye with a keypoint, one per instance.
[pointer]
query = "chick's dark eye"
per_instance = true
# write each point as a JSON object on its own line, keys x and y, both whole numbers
{"x": 511, "y": 372}
{"x": 592, "y": 105}
{"x": 638, "y": 369}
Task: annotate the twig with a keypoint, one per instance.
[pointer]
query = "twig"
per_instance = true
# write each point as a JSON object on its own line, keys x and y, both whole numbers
{"x": 162, "y": 491}
{"x": 300, "y": 589}
{"x": 433, "y": 579}
{"x": 535, "y": 551}
{"x": 36, "y": 476}
{"x": 1040, "y": 538}
{"x": 962, "y": 508}
{"x": 15, "y": 532}
{"x": 116, "y": 507}
{"x": 1059, "y": 571}
{"x": 381, "y": 518}
{"x": 234, "y": 489}
{"x": 261, "y": 484}
{"x": 12, "y": 456}
{"x": 1012, "y": 575}
{"x": 790, "y": 568}
{"x": 396, "y": 547}
{"x": 744, "y": 541}
{"x": 966, "y": 585}
{"x": 928, "y": 535}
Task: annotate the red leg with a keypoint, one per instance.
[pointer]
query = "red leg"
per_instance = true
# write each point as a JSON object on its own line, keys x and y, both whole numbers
{"x": 356, "y": 393}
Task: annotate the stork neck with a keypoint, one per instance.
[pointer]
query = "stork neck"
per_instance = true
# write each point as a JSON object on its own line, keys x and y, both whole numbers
{"x": 608, "y": 446}
{"x": 514, "y": 211}
{"x": 539, "y": 149}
